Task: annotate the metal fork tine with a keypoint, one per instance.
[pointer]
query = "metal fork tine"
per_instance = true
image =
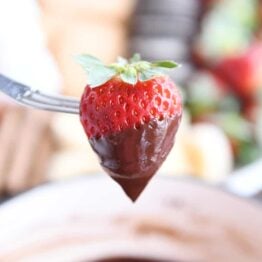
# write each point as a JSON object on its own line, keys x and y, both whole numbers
{"x": 50, "y": 107}
{"x": 25, "y": 95}
{"x": 56, "y": 101}
{"x": 70, "y": 100}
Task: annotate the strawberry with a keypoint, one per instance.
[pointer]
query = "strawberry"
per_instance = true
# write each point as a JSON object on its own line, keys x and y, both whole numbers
{"x": 243, "y": 72}
{"x": 130, "y": 111}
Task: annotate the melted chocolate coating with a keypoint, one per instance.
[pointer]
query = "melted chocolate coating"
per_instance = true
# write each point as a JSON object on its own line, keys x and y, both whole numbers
{"x": 131, "y": 157}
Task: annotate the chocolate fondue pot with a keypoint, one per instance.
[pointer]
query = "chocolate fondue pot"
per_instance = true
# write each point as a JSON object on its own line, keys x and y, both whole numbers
{"x": 90, "y": 219}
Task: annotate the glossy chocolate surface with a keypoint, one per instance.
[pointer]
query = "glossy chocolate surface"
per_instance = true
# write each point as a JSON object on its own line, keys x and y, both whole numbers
{"x": 132, "y": 156}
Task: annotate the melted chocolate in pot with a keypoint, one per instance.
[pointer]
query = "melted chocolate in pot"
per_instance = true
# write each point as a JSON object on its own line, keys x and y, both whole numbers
{"x": 131, "y": 157}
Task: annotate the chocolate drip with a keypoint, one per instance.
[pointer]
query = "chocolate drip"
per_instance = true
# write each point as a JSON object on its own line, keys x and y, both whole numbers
{"x": 131, "y": 157}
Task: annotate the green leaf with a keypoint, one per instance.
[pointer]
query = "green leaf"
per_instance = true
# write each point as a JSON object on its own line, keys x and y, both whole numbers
{"x": 129, "y": 76}
{"x": 128, "y": 70}
{"x": 165, "y": 64}
{"x": 135, "y": 58}
{"x": 149, "y": 73}
{"x": 142, "y": 66}
{"x": 88, "y": 61}
{"x": 99, "y": 75}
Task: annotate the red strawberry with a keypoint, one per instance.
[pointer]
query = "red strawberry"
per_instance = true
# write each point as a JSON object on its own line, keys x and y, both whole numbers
{"x": 243, "y": 73}
{"x": 131, "y": 119}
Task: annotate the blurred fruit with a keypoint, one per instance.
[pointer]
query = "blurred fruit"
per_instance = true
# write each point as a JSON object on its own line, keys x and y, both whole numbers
{"x": 234, "y": 125}
{"x": 206, "y": 94}
{"x": 209, "y": 152}
{"x": 228, "y": 47}
{"x": 227, "y": 29}
{"x": 243, "y": 73}
{"x": 241, "y": 134}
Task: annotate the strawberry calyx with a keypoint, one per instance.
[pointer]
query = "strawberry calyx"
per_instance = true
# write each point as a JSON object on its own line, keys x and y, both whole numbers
{"x": 130, "y": 71}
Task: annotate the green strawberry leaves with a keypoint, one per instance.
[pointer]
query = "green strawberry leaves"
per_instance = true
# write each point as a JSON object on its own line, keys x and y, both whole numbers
{"x": 97, "y": 72}
{"x": 135, "y": 58}
{"x": 88, "y": 61}
{"x": 150, "y": 73}
{"x": 129, "y": 76}
{"x": 165, "y": 64}
{"x": 99, "y": 75}
{"x": 130, "y": 71}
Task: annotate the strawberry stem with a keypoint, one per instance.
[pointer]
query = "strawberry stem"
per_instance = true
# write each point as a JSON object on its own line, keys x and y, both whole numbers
{"x": 130, "y": 71}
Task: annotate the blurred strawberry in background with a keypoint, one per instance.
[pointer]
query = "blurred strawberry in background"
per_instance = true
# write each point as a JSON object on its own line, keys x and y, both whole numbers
{"x": 226, "y": 88}
{"x": 243, "y": 73}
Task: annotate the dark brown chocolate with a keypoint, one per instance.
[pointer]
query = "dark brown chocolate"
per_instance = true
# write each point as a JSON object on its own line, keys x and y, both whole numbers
{"x": 131, "y": 157}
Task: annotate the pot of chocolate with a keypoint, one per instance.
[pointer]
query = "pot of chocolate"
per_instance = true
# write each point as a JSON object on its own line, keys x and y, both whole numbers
{"x": 90, "y": 219}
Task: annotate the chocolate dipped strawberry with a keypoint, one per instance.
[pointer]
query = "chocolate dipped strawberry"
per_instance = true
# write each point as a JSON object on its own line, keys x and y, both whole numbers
{"x": 130, "y": 111}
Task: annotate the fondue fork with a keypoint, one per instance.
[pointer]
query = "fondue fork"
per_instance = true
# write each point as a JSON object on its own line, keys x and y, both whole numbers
{"x": 34, "y": 98}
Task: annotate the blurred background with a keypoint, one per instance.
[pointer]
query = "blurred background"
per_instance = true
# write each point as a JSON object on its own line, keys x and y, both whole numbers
{"x": 218, "y": 43}
{"x": 77, "y": 213}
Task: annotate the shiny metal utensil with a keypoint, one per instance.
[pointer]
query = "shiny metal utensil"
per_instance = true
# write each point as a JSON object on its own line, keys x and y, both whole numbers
{"x": 34, "y": 98}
